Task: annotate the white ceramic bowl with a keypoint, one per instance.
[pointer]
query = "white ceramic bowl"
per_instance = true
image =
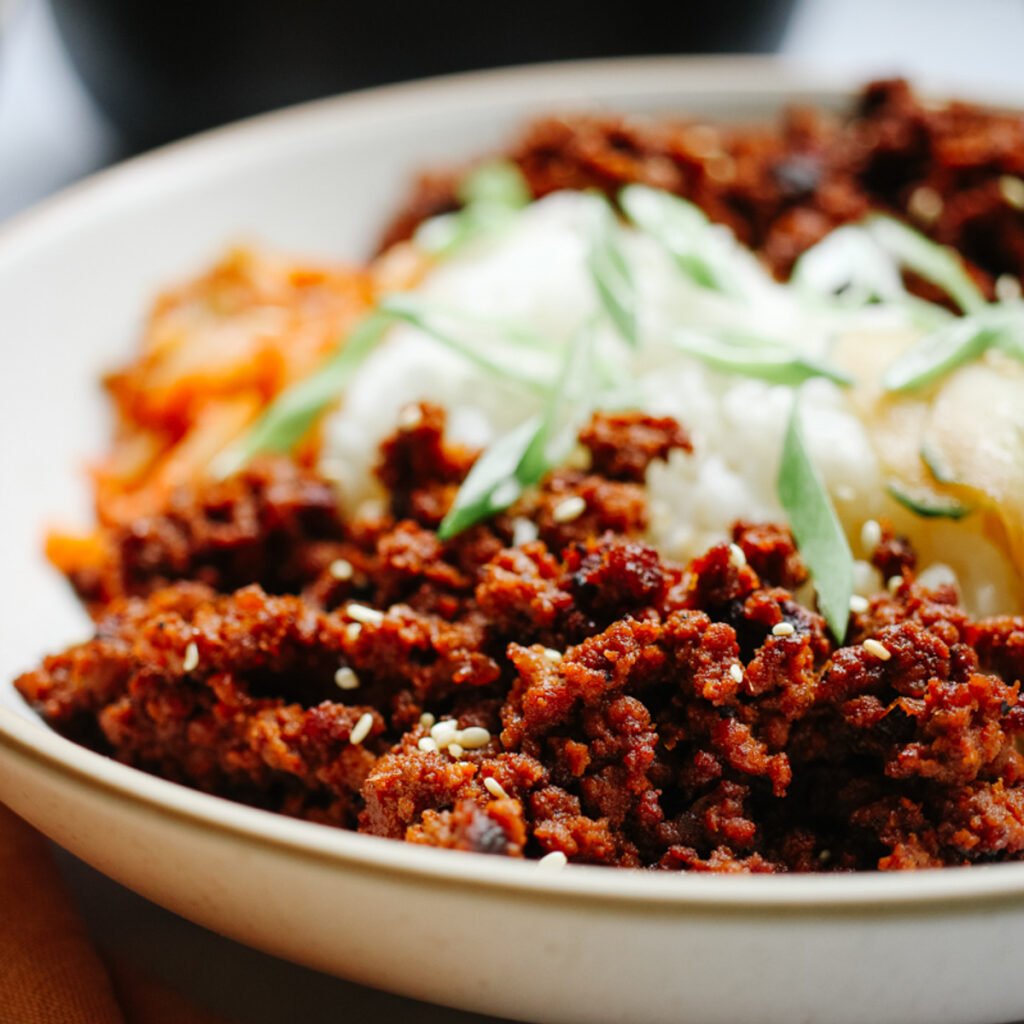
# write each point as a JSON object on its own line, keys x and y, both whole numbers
{"x": 584, "y": 944}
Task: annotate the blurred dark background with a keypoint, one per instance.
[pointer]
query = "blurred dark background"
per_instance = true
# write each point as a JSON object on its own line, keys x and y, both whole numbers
{"x": 163, "y": 69}
{"x": 87, "y": 82}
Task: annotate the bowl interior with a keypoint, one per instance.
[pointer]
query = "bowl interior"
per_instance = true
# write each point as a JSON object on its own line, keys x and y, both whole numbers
{"x": 77, "y": 274}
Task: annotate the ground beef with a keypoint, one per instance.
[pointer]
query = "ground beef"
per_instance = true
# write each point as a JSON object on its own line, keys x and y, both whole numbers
{"x": 275, "y": 522}
{"x": 953, "y": 171}
{"x": 602, "y": 702}
{"x": 623, "y": 445}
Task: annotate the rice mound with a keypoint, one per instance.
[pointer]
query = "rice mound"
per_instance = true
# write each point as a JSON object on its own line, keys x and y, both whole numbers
{"x": 535, "y": 273}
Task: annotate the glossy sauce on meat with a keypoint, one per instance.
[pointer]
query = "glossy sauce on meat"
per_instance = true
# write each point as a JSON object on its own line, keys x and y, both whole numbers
{"x": 571, "y": 693}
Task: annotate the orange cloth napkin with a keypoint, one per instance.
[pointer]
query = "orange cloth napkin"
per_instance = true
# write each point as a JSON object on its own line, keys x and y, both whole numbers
{"x": 50, "y": 972}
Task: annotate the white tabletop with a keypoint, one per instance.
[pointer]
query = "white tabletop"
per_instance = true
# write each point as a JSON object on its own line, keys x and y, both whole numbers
{"x": 51, "y": 134}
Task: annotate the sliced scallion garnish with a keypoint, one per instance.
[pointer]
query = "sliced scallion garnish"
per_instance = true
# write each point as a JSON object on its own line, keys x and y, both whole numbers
{"x": 1010, "y": 337}
{"x": 936, "y": 464}
{"x": 568, "y": 400}
{"x": 685, "y": 232}
{"x": 927, "y": 504}
{"x": 494, "y": 483}
{"x": 491, "y": 193}
{"x": 445, "y": 328}
{"x": 612, "y": 276}
{"x": 957, "y": 342}
{"x": 815, "y": 525}
{"x": 523, "y": 457}
{"x": 290, "y": 416}
{"x": 937, "y": 264}
{"x": 848, "y": 264}
{"x": 761, "y": 360}
{"x": 498, "y": 182}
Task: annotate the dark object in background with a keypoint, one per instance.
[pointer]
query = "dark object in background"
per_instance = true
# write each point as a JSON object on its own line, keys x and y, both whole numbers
{"x": 162, "y": 69}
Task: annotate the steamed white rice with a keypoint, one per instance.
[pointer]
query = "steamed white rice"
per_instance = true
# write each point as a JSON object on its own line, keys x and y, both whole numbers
{"x": 535, "y": 273}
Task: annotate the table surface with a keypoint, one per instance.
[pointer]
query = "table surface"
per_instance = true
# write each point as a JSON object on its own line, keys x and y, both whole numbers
{"x": 51, "y": 135}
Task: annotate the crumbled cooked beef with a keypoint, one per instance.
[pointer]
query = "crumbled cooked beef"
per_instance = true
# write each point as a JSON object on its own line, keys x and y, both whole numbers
{"x": 275, "y": 522}
{"x": 254, "y": 718}
{"x": 623, "y": 444}
{"x": 952, "y": 171}
{"x": 614, "y": 707}
{"x": 420, "y": 471}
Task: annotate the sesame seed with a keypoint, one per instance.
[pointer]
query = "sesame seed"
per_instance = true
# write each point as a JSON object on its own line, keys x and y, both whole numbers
{"x": 736, "y": 672}
{"x": 569, "y": 509}
{"x": 427, "y": 720}
{"x": 473, "y": 738}
{"x": 552, "y": 655}
{"x": 495, "y": 788}
{"x": 858, "y": 604}
{"x": 554, "y": 859}
{"x": 925, "y": 205}
{"x": 524, "y": 531}
{"x": 783, "y": 629}
{"x": 352, "y": 631}
{"x": 736, "y": 556}
{"x": 362, "y": 729}
{"x": 444, "y": 732}
{"x": 579, "y": 458}
{"x": 191, "y": 659}
{"x": 341, "y": 569}
{"x": 844, "y": 492}
{"x": 346, "y": 679}
{"x": 1007, "y": 288}
{"x": 870, "y": 535}
{"x": 455, "y": 749}
{"x": 872, "y": 646}
{"x": 1012, "y": 190}
{"x": 427, "y": 745}
{"x": 410, "y": 417}
{"x": 893, "y": 583}
{"x": 364, "y": 614}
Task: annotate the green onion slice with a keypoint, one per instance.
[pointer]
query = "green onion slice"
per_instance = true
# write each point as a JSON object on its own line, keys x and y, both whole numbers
{"x": 1010, "y": 337}
{"x": 935, "y": 263}
{"x": 523, "y": 457}
{"x": 612, "y": 276}
{"x": 685, "y": 232}
{"x": 936, "y": 464}
{"x": 447, "y": 328}
{"x": 492, "y": 193}
{"x": 927, "y": 504}
{"x": 816, "y": 528}
{"x": 494, "y": 483}
{"x": 848, "y": 264}
{"x": 957, "y": 342}
{"x": 756, "y": 358}
{"x": 498, "y": 183}
{"x": 290, "y": 416}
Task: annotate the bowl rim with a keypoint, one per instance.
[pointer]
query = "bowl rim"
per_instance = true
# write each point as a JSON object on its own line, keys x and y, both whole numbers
{"x": 858, "y": 894}
{"x": 43, "y": 751}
